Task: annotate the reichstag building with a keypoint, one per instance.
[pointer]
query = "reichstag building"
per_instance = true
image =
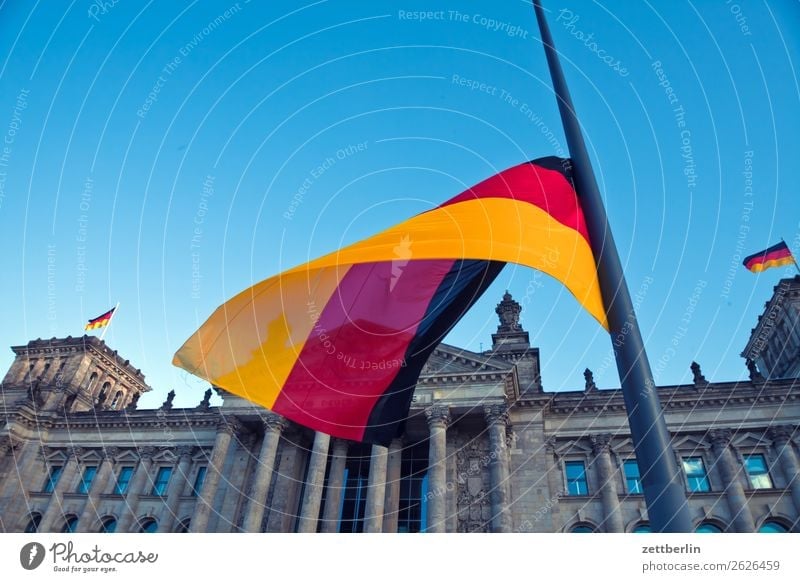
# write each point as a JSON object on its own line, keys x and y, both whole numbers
{"x": 486, "y": 449}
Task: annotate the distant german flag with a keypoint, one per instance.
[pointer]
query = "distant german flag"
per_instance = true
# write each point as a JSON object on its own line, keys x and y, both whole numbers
{"x": 100, "y": 321}
{"x": 337, "y": 344}
{"x": 775, "y": 256}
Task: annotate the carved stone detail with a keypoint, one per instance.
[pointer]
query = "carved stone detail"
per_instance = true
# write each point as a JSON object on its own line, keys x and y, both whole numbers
{"x": 274, "y": 422}
{"x": 437, "y": 415}
{"x": 472, "y": 499}
{"x": 601, "y": 443}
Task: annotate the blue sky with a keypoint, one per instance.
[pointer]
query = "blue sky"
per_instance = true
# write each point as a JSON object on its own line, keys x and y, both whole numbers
{"x": 168, "y": 155}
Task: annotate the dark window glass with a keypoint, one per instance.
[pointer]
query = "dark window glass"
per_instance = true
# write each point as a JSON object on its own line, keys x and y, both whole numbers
{"x": 696, "y": 476}
{"x": 757, "y": 471}
{"x": 412, "y": 517}
{"x": 198, "y": 481}
{"x": 33, "y": 524}
{"x": 183, "y": 527}
{"x": 582, "y": 529}
{"x": 354, "y": 501}
{"x": 123, "y": 480}
{"x": 149, "y": 526}
{"x": 86, "y": 480}
{"x": 109, "y": 525}
{"x": 70, "y": 524}
{"x": 632, "y": 478}
{"x": 708, "y": 528}
{"x": 576, "y": 478}
{"x": 52, "y": 478}
{"x": 772, "y": 527}
{"x": 162, "y": 481}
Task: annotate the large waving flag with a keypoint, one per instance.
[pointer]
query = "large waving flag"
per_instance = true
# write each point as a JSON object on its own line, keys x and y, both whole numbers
{"x": 337, "y": 344}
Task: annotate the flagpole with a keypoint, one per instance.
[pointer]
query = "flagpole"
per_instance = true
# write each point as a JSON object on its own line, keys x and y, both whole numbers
{"x": 110, "y": 319}
{"x": 794, "y": 260}
{"x": 662, "y": 482}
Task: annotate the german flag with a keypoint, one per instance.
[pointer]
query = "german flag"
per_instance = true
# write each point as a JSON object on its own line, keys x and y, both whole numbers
{"x": 337, "y": 344}
{"x": 100, "y": 321}
{"x": 775, "y": 256}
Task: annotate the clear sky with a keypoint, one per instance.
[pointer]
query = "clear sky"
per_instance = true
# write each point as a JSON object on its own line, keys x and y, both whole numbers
{"x": 167, "y": 155}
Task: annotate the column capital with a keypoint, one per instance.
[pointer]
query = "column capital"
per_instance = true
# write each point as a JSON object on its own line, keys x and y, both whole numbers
{"x": 274, "y": 422}
{"x": 782, "y": 434}
{"x": 720, "y": 437}
{"x": 496, "y": 414}
{"x": 230, "y": 425}
{"x": 438, "y": 415}
{"x": 110, "y": 453}
{"x": 601, "y": 443}
{"x": 75, "y": 453}
{"x": 184, "y": 451}
{"x": 146, "y": 452}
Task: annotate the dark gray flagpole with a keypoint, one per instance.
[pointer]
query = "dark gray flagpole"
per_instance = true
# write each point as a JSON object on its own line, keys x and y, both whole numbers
{"x": 661, "y": 480}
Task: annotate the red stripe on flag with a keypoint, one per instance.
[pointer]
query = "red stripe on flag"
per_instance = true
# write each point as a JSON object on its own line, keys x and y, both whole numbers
{"x": 358, "y": 344}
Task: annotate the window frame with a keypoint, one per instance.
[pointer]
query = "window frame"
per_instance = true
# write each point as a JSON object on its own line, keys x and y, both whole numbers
{"x": 583, "y": 464}
{"x": 750, "y": 481}
{"x": 687, "y": 476}
{"x": 638, "y": 478}
{"x": 117, "y": 489}
{"x": 52, "y": 479}
{"x": 200, "y": 475}
{"x": 84, "y": 485}
{"x": 161, "y": 486}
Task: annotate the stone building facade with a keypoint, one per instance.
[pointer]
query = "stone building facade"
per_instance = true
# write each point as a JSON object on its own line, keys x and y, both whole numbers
{"x": 485, "y": 449}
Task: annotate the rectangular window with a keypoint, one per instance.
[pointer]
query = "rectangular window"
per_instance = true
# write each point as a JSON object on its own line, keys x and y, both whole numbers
{"x": 632, "y": 478}
{"x": 354, "y": 502}
{"x": 757, "y": 471}
{"x": 575, "y": 472}
{"x": 412, "y": 516}
{"x": 123, "y": 480}
{"x": 86, "y": 480}
{"x": 52, "y": 478}
{"x": 162, "y": 480}
{"x": 198, "y": 481}
{"x": 696, "y": 476}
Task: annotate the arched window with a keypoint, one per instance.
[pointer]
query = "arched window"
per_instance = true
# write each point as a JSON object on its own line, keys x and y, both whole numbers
{"x": 773, "y": 527}
{"x": 642, "y": 528}
{"x": 117, "y": 400}
{"x": 92, "y": 382}
{"x": 149, "y": 525}
{"x": 108, "y": 525}
{"x": 582, "y": 528}
{"x": 708, "y": 528}
{"x": 183, "y": 526}
{"x": 70, "y": 524}
{"x": 33, "y": 523}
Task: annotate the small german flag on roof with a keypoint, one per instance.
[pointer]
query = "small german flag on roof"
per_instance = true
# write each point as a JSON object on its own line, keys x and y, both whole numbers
{"x": 775, "y": 256}
{"x": 100, "y": 321}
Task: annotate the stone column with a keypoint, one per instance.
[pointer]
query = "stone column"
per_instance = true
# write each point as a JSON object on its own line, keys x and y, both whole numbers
{"x": 54, "y": 510}
{"x": 205, "y": 501}
{"x": 607, "y": 476}
{"x": 499, "y": 471}
{"x": 333, "y": 498}
{"x": 274, "y": 425}
{"x": 438, "y": 418}
{"x": 391, "y": 505}
{"x": 376, "y": 490}
{"x": 782, "y": 441}
{"x": 98, "y": 487}
{"x": 138, "y": 486}
{"x": 177, "y": 485}
{"x": 730, "y": 470}
{"x": 315, "y": 480}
